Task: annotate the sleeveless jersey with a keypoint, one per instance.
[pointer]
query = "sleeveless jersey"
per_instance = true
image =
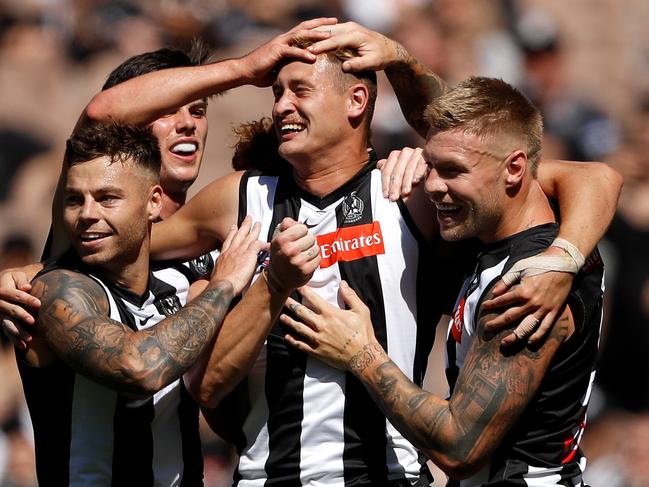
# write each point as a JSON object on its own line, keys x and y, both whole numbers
{"x": 89, "y": 435}
{"x": 542, "y": 448}
{"x": 303, "y": 422}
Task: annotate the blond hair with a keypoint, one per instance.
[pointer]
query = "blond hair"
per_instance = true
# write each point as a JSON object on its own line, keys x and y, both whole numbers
{"x": 490, "y": 109}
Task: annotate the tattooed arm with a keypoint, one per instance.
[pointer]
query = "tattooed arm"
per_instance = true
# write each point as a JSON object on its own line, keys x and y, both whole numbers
{"x": 491, "y": 392}
{"x": 74, "y": 325}
{"x": 414, "y": 84}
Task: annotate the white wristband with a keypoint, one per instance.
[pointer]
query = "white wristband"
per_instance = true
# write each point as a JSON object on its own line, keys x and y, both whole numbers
{"x": 572, "y": 250}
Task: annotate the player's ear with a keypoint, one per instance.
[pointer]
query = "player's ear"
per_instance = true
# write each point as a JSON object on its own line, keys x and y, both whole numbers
{"x": 359, "y": 96}
{"x": 515, "y": 167}
{"x": 154, "y": 204}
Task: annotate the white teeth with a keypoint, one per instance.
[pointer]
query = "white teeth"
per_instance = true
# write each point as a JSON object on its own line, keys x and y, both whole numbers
{"x": 92, "y": 236}
{"x": 289, "y": 127}
{"x": 447, "y": 207}
{"x": 184, "y": 148}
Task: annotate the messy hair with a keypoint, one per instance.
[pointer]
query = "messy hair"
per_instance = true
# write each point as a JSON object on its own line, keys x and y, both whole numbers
{"x": 118, "y": 142}
{"x": 257, "y": 147}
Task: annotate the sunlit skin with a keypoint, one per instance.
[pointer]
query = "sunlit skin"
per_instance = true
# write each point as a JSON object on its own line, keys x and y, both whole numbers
{"x": 103, "y": 208}
{"x": 181, "y": 135}
{"x": 317, "y": 116}
{"x": 466, "y": 182}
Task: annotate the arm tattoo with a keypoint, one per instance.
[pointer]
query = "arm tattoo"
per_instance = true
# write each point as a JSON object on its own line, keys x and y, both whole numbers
{"x": 415, "y": 86}
{"x": 77, "y": 327}
{"x": 492, "y": 390}
{"x": 361, "y": 360}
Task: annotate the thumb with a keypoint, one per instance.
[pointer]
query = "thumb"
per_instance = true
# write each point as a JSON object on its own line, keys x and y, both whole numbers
{"x": 22, "y": 283}
{"x": 287, "y": 223}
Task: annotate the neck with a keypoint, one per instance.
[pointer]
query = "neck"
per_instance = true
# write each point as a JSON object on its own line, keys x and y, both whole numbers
{"x": 131, "y": 272}
{"x": 322, "y": 175}
{"x": 171, "y": 202}
{"x": 529, "y": 208}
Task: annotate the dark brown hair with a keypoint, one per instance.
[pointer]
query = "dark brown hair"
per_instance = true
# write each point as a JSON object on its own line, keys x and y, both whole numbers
{"x": 118, "y": 142}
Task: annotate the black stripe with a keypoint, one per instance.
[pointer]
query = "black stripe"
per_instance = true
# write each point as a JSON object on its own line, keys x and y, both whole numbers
{"x": 284, "y": 382}
{"x": 49, "y": 392}
{"x": 133, "y": 444}
{"x": 364, "y": 454}
{"x": 191, "y": 442}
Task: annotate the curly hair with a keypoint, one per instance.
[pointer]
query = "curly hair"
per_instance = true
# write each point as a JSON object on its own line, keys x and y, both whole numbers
{"x": 256, "y": 148}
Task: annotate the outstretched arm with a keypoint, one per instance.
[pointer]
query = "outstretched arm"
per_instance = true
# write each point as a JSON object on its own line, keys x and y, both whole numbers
{"x": 201, "y": 224}
{"x": 150, "y": 96}
{"x": 459, "y": 435}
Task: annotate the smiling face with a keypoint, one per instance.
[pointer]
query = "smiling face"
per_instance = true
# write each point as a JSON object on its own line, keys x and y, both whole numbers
{"x": 466, "y": 183}
{"x": 182, "y": 137}
{"x": 310, "y": 112}
{"x": 108, "y": 208}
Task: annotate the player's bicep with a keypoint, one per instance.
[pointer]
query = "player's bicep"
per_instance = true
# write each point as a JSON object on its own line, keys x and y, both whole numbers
{"x": 74, "y": 324}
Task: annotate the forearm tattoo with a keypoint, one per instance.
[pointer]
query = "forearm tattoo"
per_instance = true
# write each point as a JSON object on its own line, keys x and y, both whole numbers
{"x": 76, "y": 326}
{"x": 365, "y": 357}
{"x": 415, "y": 86}
{"x": 492, "y": 391}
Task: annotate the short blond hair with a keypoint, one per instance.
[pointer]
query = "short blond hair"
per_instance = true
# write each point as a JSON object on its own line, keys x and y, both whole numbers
{"x": 490, "y": 109}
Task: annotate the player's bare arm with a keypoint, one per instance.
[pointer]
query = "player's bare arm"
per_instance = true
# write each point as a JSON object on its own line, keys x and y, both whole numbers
{"x": 73, "y": 323}
{"x": 201, "y": 224}
{"x": 148, "y": 97}
{"x": 459, "y": 435}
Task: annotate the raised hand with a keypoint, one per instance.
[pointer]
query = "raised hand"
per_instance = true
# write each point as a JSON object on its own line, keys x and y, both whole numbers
{"x": 238, "y": 259}
{"x": 375, "y": 52}
{"x": 259, "y": 65}
{"x": 401, "y": 171}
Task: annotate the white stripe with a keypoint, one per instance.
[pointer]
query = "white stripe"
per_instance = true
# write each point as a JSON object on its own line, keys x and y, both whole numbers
{"x": 322, "y": 435}
{"x": 398, "y": 271}
{"x": 167, "y": 438}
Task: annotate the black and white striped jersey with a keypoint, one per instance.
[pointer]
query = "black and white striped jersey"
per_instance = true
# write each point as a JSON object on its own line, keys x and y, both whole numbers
{"x": 89, "y": 435}
{"x": 303, "y": 422}
{"x": 542, "y": 448}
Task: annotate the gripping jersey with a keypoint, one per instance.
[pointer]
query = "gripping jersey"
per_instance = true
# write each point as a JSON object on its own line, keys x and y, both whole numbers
{"x": 89, "y": 435}
{"x": 542, "y": 448}
{"x": 303, "y": 422}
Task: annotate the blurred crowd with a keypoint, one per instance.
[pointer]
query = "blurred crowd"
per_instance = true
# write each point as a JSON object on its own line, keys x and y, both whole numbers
{"x": 585, "y": 63}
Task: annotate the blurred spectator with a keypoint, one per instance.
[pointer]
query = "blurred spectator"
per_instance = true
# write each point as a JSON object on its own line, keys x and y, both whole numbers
{"x": 16, "y": 146}
{"x": 582, "y": 127}
{"x": 17, "y": 250}
{"x": 17, "y": 466}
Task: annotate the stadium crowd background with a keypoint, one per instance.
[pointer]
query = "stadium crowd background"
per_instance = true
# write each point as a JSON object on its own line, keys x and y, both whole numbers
{"x": 584, "y": 62}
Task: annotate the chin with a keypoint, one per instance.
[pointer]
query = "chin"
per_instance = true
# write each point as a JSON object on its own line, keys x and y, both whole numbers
{"x": 454, "y": 234}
